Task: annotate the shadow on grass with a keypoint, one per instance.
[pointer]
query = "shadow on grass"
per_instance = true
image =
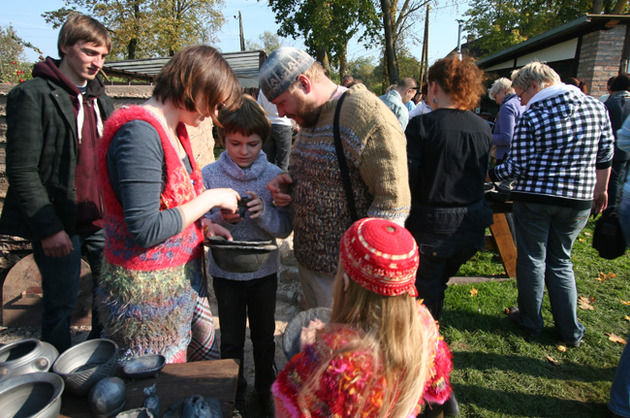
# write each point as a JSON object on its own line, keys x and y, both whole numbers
{"x": 481, "y": 402}
{"x": 538, "y": 368}
{"x": 498, "y": 323}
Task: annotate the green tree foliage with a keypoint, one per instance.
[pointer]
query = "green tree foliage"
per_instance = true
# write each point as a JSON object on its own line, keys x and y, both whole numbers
{"x": 327, "y": 25}
{"x": 270, "y": 41}
{"x": 13, "y": 65}
{"x": 148, "y": 28}
{"x": 499, "y": 24}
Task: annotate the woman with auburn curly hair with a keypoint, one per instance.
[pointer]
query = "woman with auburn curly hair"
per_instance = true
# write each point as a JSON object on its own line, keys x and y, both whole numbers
{"x": 448, "y": 151}
{"x": 381, "y": 355}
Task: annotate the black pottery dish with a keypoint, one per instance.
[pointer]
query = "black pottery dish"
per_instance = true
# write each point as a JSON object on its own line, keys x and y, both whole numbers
{"x": 84, "y": 364}
{"x": 239, "y": 256}
{"x": 107, "y": 397}
{"x": 31, "y": 395}
{"x": 291, "y": 337}
{"x": 145, "y": 366}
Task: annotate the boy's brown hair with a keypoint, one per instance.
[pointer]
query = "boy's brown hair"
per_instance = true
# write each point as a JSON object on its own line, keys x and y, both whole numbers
{"x": 80, "y": 27}
{"x": 248, "y": 119}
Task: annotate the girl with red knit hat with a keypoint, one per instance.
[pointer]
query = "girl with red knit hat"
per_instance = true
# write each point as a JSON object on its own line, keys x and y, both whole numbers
{"x": 381, "y": 354}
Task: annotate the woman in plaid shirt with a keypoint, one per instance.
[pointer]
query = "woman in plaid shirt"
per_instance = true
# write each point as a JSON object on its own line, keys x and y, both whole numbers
{"x": 561, "y": 156}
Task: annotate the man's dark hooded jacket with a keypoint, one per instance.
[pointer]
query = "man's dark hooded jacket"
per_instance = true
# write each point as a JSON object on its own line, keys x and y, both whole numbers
{"x": 42, "y": 153}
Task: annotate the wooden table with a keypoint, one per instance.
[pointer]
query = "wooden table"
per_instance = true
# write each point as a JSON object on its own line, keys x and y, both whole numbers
{"x": 503, "y": 238}
{"x": 209, "y": 378}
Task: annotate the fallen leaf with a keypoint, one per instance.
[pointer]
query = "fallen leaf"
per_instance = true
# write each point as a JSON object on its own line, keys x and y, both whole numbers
{"x": 581, "y": 240}
{"x": 615, "y": 338}
{"x": 473, "y": 292}
{"x": 585, "y": 303}
{"x": 587, "y": 234}
{"x": 625, "y": 302}
{"x": 627, "y": 318}
{"x": 552, "y": 360}
{"x": 561, "y": 348}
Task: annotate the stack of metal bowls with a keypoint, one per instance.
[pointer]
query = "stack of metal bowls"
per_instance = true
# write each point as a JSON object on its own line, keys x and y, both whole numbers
{"x": 26, "y": 356}
{"x": 31, "y": 395}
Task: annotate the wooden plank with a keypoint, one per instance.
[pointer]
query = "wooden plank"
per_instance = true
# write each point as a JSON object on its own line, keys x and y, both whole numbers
{"x": 505, "y": 243}
{"x": 209, "y": 378}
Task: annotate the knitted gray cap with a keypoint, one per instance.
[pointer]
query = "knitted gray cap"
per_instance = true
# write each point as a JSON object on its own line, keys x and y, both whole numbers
{"x": 281, "y": 70}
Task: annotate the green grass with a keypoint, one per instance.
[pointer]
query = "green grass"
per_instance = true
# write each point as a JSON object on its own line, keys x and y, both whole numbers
{"x": 501, "y": 373}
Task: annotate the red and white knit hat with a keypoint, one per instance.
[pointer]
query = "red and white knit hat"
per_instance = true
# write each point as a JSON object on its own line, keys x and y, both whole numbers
{"x": 381, "y": 256}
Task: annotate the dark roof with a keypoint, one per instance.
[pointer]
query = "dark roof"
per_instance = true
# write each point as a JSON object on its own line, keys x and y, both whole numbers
{"x": 580, "y": 26}
{"x": 244, "y": 64}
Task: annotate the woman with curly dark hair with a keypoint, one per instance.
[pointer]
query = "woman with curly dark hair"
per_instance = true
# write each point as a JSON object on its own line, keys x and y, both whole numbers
{"x": 448, "y": 151}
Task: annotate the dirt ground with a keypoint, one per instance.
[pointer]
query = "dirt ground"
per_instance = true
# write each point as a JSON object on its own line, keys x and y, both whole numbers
{"x": 286, "y": 308}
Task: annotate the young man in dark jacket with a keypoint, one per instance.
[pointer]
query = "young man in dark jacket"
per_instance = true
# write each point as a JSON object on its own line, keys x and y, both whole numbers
{"x": 53, "y": 124}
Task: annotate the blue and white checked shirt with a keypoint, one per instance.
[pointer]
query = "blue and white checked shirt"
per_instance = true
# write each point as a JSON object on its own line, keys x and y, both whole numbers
{"x": 559, "y": 142}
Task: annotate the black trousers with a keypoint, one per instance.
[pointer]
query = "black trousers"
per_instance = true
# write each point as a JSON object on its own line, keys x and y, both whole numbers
{"x": 254, "y": 299}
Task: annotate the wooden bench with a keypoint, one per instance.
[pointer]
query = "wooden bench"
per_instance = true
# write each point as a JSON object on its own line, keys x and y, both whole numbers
{"x": 209, "y": 378}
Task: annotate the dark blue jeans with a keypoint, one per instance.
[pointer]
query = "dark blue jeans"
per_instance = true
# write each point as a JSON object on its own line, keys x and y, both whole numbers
{"x": 545, "y": 235}
{"x": 615, "y": 182}
{"x": 60, "y": 285}
{"x": 438, "y": 263}
{"x": 254, "y": 299}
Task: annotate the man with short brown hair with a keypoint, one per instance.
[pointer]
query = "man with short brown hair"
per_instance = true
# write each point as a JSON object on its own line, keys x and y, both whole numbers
{"x": 53, "y": 124}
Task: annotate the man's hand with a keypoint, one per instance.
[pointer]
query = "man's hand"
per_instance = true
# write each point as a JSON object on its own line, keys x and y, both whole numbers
{"x": 279, "y": 188}
{"x": 57, "y": 245}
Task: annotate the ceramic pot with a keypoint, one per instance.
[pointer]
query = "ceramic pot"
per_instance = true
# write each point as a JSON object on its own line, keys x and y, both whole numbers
{"x": 26, "y": 356}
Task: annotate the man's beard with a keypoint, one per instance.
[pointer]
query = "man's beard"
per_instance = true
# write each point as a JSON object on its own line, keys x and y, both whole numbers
{"x": 308, "y": 113}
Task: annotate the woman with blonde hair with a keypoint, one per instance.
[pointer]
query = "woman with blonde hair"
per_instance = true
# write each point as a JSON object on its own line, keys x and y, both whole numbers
{"x": 381, "y": 355}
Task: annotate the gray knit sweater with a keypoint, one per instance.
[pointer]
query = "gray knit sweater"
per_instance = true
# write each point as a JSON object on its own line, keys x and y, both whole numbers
{"x": 274, "y": 223}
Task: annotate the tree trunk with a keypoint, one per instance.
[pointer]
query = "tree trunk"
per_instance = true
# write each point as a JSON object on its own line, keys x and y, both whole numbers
{"x": 131, "y": 49}
{"x": 322, "y": 57}
{"x": 343, "y": 61}
{"x": 598, "y": 6}
{"x": 390, "y": 52}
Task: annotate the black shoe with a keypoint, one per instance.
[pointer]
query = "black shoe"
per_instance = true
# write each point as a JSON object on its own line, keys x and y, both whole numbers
{"x": 515, "y": 315}
{"x": 239, "y": 408}
{"x": 451, "y": 407}
{"x": 265, "y": 403}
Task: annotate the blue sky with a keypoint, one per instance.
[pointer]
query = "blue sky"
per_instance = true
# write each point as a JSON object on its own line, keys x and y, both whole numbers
{"x": 257, "y": 18}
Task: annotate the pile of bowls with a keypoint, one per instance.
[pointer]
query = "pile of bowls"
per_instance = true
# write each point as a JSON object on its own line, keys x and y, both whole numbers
{"x": 84, "y": 364}
{"x": 31, "y": 395}
{"x": 239, "y": 256}
{"x": 26, "y": 356}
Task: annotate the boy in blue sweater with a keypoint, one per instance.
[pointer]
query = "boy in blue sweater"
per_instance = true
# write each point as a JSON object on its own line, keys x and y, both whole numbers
{"x": 244, "y": 167}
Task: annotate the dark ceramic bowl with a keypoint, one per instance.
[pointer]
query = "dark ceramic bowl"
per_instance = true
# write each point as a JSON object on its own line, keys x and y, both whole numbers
{"x": 31, "y": 395}
{"x": 84, "y": 364}
{"x": 239, "y": 256}
{"x": 144, "y": 366}
{"x": 291, "y": 337}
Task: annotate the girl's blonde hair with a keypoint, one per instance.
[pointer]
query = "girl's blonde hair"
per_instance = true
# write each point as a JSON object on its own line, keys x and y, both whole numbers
{"x": 389, "y": 328}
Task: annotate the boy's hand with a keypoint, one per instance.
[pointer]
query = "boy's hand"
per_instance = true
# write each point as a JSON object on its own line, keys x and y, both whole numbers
{"x": 210, "y": 229}
{"x": 229, "y": 217}
{"x": 279, "y": 188}
{"x": 255, "y": 206}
